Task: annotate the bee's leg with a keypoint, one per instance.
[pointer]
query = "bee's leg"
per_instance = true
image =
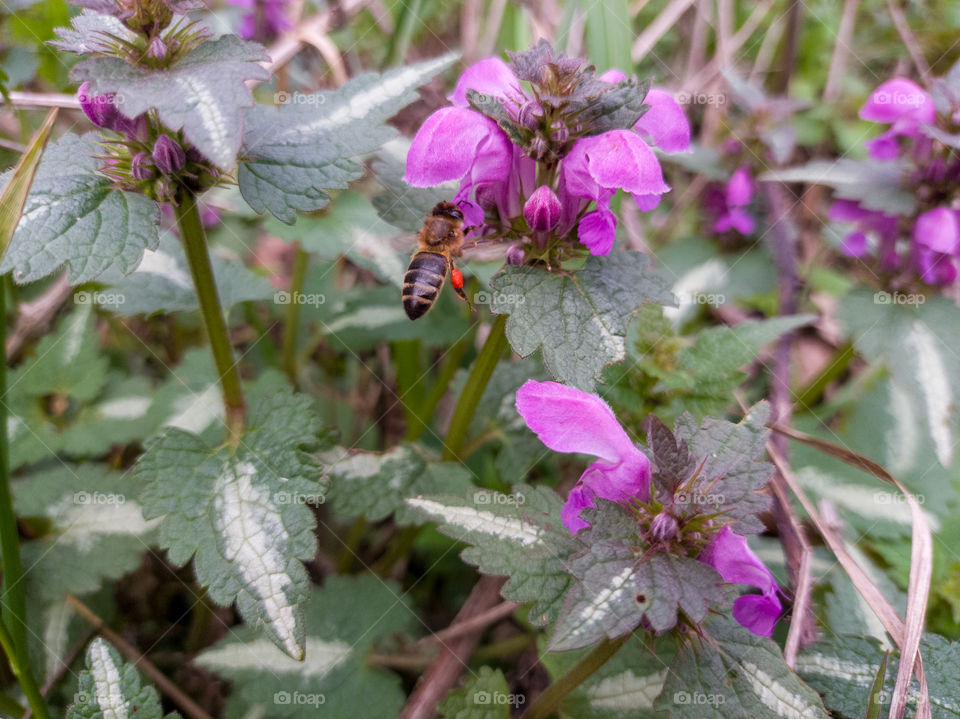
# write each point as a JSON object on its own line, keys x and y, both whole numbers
{"x": 456, "y": 279}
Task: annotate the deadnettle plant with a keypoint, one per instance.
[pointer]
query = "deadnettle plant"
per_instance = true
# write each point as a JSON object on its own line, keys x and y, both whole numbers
{"x": 541, "y": 144}
{"x": 678, "y": 507}
{"x": 919, "y": 141}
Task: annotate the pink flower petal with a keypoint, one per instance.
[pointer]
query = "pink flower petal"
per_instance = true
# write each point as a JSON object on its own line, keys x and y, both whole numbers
{"x": 740, "y": 188}
{"x": 567, "y": 419}
{"x": 758, "y": 613}
{"x": 645, "y": 203}
{"x": 665, "y": 122}
{"x": 491, "y": 76}
{"x": 899, "y": 98}
{"x": 613, "y": 160}
{"x": 613, "y": 76}
{"x": 448, "y": 144}
{"x": 938, "y": 230}
{"x": 598, "y": 231}
{"x": 580, "y": 498}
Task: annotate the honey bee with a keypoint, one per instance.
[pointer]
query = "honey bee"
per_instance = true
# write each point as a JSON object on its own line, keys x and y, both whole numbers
{"x": 441, "y": 239}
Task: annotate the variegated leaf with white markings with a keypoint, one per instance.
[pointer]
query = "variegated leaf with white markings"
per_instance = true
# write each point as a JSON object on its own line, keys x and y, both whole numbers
{"x": 241, "y": 513}
{"x": 343, "y": 620}
{"x": 294, "y": 153}
{"x": 920, "y": 344}
{"x": 112, "y": 689}
{"x": 734, "y": 673}
{"x": 204, "y": 93}
{"x": 519, "y": 536}
{"x": 74, "y": 217}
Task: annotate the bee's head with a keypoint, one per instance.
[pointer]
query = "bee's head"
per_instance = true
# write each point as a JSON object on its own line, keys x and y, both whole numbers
{"x": 447, "y": 209}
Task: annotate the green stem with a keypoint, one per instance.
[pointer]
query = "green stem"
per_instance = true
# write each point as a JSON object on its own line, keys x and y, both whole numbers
{"x": 448, "y": 367}
{"x": 480, "y": 375}
{"x": 195, "y": 247}
{"x": 548, "y": 702}
{"x": 400, "y": 40}
{"x": 291, "y": 321}
{"x": 406, "y": 358}
{"x": 13, "y": 636}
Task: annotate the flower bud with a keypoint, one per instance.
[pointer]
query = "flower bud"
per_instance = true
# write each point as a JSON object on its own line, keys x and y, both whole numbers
{"x": 140, "y": 166}
{"x": 530, "y": 114}
{"x": 559, "y": 132}
{"x": 168, "y": 156}
{"x": 100, "y": 109}
{"x": 135, "y": 129}
{"x": 515, "y": 255}
{"x": 542, "y": 209}
{"x": 664, "y": 527}
{"x": 538, "y": 148}
{"x": 157, "y": 49}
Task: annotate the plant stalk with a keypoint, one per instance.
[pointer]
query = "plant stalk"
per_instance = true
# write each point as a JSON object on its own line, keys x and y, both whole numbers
{"x": 13, "y": 636}
{"x": 480, "y": 375}
{"x": 547, "y": 703}
{"x": 291, "y": 320}
{"x": 195, "y": 247}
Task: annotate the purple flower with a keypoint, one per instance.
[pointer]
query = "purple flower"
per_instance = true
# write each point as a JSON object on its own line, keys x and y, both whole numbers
{"x": 265, "y": 19}
{"x": 903, "y": 105}
{"x": 936, "y": 237}
{"x": 569, "y": 420}
{"x": 498, "y": 177}
{"x": 739, "y": 192}
{"x": 99, "y": 109}
{"x": 730, "y": 555}
{"x": 869, "y": 224}
{"x": 542, "y": 209}
{"x": 168, "y": 156}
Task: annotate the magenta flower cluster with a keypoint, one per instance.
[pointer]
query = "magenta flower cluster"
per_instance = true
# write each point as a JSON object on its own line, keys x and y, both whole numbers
{"x": 570, "y": 420}
{"x": 560, "y": 183}
{"x": 933, "y": 249}
{"x": 263, "y": 19}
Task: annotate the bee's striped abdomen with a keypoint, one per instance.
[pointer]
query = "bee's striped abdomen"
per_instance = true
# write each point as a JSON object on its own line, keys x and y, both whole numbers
{"x": 422, "y": 283}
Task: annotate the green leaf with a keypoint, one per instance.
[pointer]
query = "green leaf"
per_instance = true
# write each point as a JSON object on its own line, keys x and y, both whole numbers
{"x": 162, "y": 283}
{"x": 486, "y": 695}
{"x": 204, "y": 93}
{"x": 123, "y": 413}
{"x": 618, "y": 589}
{"x": 375, "y": 485}
{"x": 294, "y": 153}
{"x": 625, "y": 686}
{"x": 707, "y": 372}
{"x": 90, "y": 33}
{"x": 111, "y": 688}
{"x": 609, "y": 35}
{"x": 240, "y": 512}
{"x": 920, "y": 344}
{"x": 843, "y": 669}
{"x": 519, "y": 536}
{"x": 729, "y": 451}
{"x": 735, "y": 673}
{"x": 96, "y": 528}
{"x": 579, "y": 319}
{"x": 342, "y": 622}
{"x": 875, "y": 184}
{"x": 16, "y": 187}
{"x": 350, "y": 228}
{"x": 68, "y": 361}
{"x": 74, "y": 217}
